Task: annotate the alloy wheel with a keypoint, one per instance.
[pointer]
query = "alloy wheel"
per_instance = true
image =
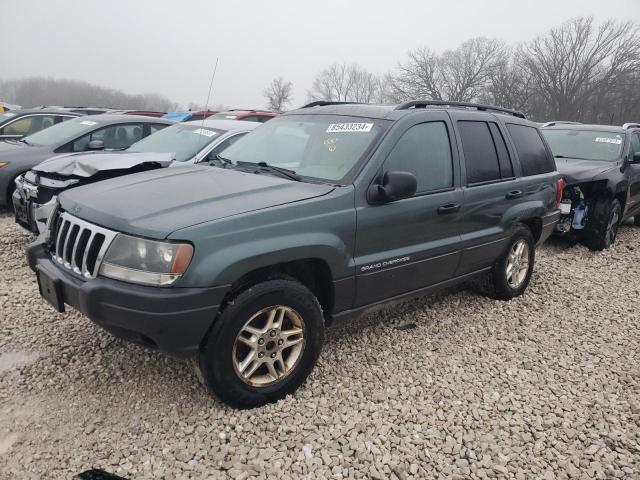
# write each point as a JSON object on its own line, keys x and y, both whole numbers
{"x": 517, "y": 264}
{"x": 269, "y": 346}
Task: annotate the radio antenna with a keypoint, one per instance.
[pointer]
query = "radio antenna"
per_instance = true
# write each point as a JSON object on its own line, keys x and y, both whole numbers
{"x": 215, "y": 68}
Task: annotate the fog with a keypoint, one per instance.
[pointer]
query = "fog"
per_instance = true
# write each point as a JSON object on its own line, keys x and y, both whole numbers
{"x": 170, "y": 47}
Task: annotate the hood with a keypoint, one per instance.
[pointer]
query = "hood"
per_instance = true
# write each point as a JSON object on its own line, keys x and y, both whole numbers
{"x": 577, "y": 171}
{"x": 87, "y": 165}
{"x": 155, "y": 203}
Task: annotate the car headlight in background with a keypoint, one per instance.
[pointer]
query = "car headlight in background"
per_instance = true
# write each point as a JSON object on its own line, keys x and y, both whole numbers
{"x": 147, "y": 262}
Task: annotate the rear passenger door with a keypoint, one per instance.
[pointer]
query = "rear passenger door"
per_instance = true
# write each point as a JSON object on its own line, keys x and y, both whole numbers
{"x": 491, "y": 188}
{"x": 412, "y": 243}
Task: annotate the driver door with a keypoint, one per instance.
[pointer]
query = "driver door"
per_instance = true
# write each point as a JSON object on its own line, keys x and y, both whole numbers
{"x": 415, "y": 242}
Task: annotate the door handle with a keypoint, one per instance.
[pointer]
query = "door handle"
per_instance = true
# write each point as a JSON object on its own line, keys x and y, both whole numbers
{"x": 449, "y": 208}
{"x": 514, "y": 194}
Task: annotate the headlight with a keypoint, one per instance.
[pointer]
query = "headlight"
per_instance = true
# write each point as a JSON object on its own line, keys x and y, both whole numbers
{"x": 144, "y": 261}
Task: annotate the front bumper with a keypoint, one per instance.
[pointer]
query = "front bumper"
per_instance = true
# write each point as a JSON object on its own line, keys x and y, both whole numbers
{"x": 173, "y": 320}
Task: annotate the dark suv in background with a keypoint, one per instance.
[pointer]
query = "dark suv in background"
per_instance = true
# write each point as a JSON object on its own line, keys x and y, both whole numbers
{"x": 320, "y": 213}
{"x": 601, "y": 167}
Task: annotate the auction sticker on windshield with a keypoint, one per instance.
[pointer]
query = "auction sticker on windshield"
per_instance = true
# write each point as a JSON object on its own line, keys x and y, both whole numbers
{"x": 349, "y": 127}
{"x": 206, "y": 133}
{"x": 615, "y": 141}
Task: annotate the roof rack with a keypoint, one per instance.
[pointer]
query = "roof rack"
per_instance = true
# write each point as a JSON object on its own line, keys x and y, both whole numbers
{"x": 324, "y": 103}
{"x": 559, "y": 122}
{"x": 627, "y": 126}
{"x": 442, "y": 103}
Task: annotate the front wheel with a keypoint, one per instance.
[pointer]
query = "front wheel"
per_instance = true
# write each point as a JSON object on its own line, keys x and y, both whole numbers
{"x": 264, "y": 344}
{"x": 512, "y": 272}
{"x": 602, "y": 227}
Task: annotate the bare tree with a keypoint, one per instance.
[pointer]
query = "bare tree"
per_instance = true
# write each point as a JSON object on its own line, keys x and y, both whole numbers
{"x": 461, "y": 75}
{"x": 509, "y": 86}
{"x": 575, "y": 66}
{"x": 347, "y": 83}
{"x": 278, "y": 94}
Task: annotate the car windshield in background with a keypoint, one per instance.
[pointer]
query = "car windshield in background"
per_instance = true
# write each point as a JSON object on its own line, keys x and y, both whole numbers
{"x": 585, "y": 144}
{"x": 183, "y": 140}
{"x": 62, "y": 132}
{"x": 323, "y": 147}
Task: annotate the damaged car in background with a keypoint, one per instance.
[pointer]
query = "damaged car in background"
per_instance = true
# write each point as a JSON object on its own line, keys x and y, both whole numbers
{"x": 183, "y": 143}
{"x": 36, "y": 191}
{"x": 601, "y": 168}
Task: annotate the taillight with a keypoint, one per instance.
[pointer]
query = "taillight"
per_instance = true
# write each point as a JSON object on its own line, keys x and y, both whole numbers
{"x": 559, "y": 191}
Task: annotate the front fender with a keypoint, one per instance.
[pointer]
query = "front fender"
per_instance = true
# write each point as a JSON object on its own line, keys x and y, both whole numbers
{"x": 230, "y": 263}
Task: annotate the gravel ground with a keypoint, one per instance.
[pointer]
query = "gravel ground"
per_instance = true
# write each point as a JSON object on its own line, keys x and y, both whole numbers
{"x": 543, "y": 387}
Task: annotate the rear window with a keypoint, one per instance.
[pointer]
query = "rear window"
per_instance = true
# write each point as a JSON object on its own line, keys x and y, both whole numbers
{"x": 532, "y": 153}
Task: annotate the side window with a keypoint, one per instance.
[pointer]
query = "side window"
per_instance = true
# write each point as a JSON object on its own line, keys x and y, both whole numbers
{"x": 480, "y": 154}
{"x": 532, "y": 153}
{"x": 425, "y": 151}
{"x": 218, "y": 149}
{"x": 29, "y": 125}
{"x": 115, "y": 137}
{"x": 506, "y": 168}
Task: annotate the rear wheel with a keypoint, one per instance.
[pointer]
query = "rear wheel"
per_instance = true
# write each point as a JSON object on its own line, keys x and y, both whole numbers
{"x": 264, "y": 345}
{"x": 602, "y": 227}
{"x": 512, "y": 272}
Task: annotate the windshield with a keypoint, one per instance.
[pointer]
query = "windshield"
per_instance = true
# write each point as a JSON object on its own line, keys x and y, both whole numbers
{"x": 323, "y": 147}
{"x": 585, "y": 144}
{"x": 62, "y": 132}
{"x": 183, "y": 140}
{"x": 222, "y": 116}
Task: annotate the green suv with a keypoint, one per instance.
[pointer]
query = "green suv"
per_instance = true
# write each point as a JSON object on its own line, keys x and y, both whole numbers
{"x": 320, "y": 213}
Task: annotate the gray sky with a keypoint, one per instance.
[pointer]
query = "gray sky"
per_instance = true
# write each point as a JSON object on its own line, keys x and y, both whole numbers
{"x": 169, "y": 47}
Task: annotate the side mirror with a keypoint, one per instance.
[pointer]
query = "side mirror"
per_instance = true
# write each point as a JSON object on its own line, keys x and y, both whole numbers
{"x": 394, "y": 186}
{"x": 95, "y": 145}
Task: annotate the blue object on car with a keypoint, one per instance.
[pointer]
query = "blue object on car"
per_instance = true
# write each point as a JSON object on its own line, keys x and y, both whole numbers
{"x": 178, "y": 116}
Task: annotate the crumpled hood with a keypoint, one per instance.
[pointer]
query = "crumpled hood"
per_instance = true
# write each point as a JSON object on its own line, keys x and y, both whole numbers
{"x": 88, "y": 164}
{"x": 577, "y": 171}
{"x": 158, "y": 202}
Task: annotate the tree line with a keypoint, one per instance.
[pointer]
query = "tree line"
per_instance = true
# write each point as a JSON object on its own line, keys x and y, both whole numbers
{"x": 36, "y": 91}
{"x": 578, "y": 71}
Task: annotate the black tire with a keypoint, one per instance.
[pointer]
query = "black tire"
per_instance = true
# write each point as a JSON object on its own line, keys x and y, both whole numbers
{"x": 502, "y": 286}
{"x": 636, "y": 220}
{"x": 602, "y": 227}
{"x": 217, "y": 367}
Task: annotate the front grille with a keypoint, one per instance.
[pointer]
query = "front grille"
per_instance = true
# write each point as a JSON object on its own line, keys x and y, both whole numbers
{"x": 78, "y": 245}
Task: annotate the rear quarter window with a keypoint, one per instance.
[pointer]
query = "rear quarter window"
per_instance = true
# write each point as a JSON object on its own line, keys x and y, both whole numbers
{"x": 533, "y": 155}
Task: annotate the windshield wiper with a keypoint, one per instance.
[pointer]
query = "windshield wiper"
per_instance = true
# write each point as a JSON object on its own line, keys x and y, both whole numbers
{"x": 291, "y": 174}
{"x": 222, "y": 160}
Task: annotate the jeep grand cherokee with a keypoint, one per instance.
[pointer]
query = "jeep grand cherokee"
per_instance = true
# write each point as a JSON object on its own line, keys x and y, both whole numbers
{"x": 320, "y": 213}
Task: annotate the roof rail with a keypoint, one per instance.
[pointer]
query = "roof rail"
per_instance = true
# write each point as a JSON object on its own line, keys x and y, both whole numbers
{"x": 627, "y": 126}
{"x": 442, "y": 103}
{"x": 324, "y": 103}
{"x": 559, "y": 122}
